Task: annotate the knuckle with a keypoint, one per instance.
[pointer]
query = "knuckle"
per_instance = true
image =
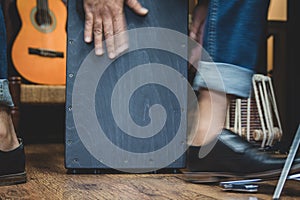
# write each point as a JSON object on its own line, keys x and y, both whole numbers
{"x": 88, "y": 23}
{"x": 106, "y": 11}
{"x": 108, "y": 34}
{"x": 98, "y": 31}
{"x": 117, "y": 12}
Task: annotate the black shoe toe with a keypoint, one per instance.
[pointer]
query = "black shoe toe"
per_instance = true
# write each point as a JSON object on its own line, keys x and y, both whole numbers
{"x": 12, "y": 166}
{"x": 232, "y": 156}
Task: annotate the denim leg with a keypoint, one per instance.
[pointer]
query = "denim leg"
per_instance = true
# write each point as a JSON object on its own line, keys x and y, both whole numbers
{"x": 5, "y": 97}
{"x": 233, "y": 33}
{"x": 3, "y": 53}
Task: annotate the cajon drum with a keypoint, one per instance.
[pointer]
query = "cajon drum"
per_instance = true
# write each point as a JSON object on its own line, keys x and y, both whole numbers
{"x": 98, "y": 123}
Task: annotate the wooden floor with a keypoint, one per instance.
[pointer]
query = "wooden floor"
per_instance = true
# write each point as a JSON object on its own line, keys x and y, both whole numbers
{"x": 47, "y": 179}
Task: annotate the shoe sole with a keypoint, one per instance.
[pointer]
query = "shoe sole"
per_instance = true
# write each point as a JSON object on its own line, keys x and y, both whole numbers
{"x": 213, "y": 177}
{"x": 13, "y": 179}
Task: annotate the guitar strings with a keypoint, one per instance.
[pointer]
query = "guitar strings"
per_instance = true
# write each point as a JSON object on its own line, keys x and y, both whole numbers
{"x": 43, "y": 12}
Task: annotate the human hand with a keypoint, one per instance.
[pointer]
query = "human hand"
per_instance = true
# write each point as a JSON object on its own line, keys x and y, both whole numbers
{"x": 106, "y": 17}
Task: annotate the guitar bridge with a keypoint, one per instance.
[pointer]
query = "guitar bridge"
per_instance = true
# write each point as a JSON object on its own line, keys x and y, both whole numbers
{"x": 45, "y": 53}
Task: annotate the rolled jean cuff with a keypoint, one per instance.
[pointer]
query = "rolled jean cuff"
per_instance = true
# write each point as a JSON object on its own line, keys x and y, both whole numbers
{"x": 224, "y": 77}
{"x": 5, "y": 97}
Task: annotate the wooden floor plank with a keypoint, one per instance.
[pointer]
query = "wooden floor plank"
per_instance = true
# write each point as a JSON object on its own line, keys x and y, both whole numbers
{"x": 48, "y": 179}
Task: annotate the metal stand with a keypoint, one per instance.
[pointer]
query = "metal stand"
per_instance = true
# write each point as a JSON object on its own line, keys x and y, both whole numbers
{"x": 287, "y": 165}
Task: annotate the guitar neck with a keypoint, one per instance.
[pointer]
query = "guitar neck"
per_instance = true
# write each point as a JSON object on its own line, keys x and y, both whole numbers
{"x": 43, "y": 11}
{"x": 42, "y": 5}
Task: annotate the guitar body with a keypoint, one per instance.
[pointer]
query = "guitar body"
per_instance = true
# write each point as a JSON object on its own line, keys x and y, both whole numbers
{"x": 39, "y": 50}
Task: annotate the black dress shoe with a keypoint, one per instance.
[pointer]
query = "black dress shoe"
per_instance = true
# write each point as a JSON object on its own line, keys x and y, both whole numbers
{"x": 233, "y": 158}
{"x": 12, "y": 166}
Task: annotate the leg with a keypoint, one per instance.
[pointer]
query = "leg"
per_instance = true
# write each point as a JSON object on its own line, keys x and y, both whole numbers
{"x": 12, "y": 156}
{"x": 8, "y": 137}
{"x": 234, "y": 51}
{"x": 15, "y": 90}
{"x": 212, "y": 113}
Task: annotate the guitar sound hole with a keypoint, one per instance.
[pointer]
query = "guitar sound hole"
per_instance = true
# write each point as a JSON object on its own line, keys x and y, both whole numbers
{"x": 43, "y": 18}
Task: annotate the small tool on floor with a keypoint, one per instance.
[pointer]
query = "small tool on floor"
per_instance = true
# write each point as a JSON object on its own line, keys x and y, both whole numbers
{"x": 251, "y": 185}
{"x": 241, "y": 185}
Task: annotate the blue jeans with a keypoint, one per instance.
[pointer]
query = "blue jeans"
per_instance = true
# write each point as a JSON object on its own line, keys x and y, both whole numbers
{"x": 5, "y": 97}
{"x": 3, "y": 55}
{"x": 233, "y": 34}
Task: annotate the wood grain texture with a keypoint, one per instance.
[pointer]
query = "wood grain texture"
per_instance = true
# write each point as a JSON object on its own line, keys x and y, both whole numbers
{"x": 47, "y": 179}
{"x": 89, "y": 90}
{"x": 42, "y": 94}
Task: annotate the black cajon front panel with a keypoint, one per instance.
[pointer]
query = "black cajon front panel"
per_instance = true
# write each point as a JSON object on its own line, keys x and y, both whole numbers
{"x": 170, "y": 14}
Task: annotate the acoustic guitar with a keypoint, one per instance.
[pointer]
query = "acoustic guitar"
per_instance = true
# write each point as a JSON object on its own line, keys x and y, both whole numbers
{"x": 39, "y": 50}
